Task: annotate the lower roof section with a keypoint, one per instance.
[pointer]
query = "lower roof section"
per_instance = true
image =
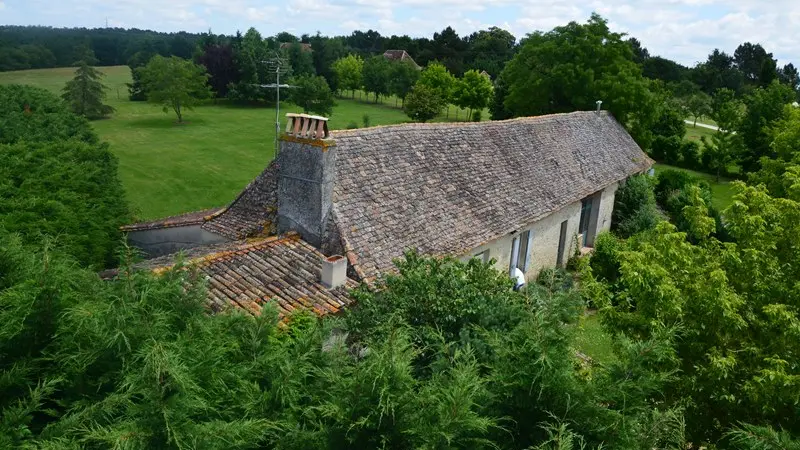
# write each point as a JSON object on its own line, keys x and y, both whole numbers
{"x": 282, "y": 270}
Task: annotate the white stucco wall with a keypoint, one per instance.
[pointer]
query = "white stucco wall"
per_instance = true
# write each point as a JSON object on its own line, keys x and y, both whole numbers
{"x": 546, "y": 234}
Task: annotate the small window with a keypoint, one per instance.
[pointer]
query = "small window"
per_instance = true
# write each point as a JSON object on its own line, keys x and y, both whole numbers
{"x": 583, "y": 225}
{"x": 483, "y": 256}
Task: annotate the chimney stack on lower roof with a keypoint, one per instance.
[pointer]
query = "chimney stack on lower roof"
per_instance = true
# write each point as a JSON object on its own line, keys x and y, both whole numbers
{"x": 334, "y": 271}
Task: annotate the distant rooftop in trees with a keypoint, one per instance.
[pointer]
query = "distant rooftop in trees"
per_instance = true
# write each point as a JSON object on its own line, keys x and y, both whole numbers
{"x": 400, "y": 55}
{"x": 305, "y": 47}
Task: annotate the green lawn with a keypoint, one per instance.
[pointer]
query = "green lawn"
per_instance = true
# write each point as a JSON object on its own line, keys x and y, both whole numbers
{"x": 694, "y": 133}
{"x": 721, "y": 192}
{"x": 703, "y": 119}
{"x": 168, "y": 168}
{"x": 592, "y": 340}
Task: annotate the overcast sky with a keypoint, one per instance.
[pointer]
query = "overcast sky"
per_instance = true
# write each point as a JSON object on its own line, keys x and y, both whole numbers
{"x": 684, "y": 30}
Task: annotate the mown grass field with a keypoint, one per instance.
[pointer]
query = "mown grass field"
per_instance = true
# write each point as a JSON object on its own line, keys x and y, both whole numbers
{"x": 695, "y": 133}
{"x": 168, "y": 168}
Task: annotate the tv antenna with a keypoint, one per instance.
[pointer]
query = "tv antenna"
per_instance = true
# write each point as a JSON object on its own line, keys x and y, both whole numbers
{"x": 279, "y": 66}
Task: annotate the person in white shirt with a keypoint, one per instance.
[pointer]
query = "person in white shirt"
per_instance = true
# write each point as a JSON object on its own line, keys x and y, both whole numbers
{"x": 519, "y": 279}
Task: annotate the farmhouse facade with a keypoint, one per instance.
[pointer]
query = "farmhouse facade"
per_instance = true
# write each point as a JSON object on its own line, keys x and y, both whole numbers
{"x": 526, "y": 193}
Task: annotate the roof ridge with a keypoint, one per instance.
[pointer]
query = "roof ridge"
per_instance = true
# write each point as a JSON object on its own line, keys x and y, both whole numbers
{"x": 434, "y": 125}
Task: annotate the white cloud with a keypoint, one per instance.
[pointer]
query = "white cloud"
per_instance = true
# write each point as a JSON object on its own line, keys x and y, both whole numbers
{"x": 2, "y": 6}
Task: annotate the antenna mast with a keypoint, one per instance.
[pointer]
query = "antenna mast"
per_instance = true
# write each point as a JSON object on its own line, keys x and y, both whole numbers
{"x": 279, "y": 66}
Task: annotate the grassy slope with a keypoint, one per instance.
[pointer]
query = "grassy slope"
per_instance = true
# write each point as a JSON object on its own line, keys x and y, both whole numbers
{"x": 694, "y": 133}
{"x": 168, "y": 168}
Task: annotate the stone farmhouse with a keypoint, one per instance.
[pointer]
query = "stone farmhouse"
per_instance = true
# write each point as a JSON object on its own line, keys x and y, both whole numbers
{"x": 336, "y": 208}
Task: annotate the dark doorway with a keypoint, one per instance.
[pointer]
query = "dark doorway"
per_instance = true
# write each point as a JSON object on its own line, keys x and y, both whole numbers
{"x": 562, "y": 243}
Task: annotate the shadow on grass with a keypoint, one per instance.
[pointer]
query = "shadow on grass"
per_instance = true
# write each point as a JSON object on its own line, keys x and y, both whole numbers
{"x": 165, "y": 122}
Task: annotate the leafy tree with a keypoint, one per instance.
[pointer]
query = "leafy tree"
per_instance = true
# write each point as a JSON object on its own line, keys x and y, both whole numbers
{"x": 735, "y": 328}
{"x": 348, "y": 71}
{"x": 250, "y": 52}
{"x": 473, "y": 91}
{"x": 776, "y": 173}
{"x": 219, "y": 61}
{"x": 725, "y": 146}
{"x": 325, "y": 51}
{"x": 765, "y": 106}
{"x": 436, "y": 77}
{"x": 497, "y": 107}
{"x": 717, "y": 72}
{"x": 57, "y": 180}
{"x": 85, "y": 93}
{"x": 757, "y": 66}
{"x": 790, "y": 76}
{"x": 175, "y": 83}
{"x": 571, "y": 67}
{"x": 423, "y": 103}
{"x": 698, "y": 105}
{"x": 31, "y": 114}
{"x": 490, "y": 50}
{"x": 375, "y": 76}
{"x": 300, "y": 59}
{"x": 635, "y": 208}
{"x": 640, "y": 53}
{"x": 312, "y": 94}
{"x": 135, "y": 89}
{"x": 670, "y": 121}
{"x": 450, "y": 50}
{"x": 402, "y": 78}
{"x": 658, "y": 68}
{"x": 683, "y": 89}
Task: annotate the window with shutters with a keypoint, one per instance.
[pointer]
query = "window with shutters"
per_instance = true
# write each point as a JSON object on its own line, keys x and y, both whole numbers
{"x": 520, "y": 252}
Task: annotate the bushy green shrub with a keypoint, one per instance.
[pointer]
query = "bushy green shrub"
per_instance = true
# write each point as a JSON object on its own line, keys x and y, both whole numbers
{"x": 635, "y": 206}
{"x": 352, "y": 125}
{"x": 691, "y": 155}
{"x": 35, "y": 115}
{"x": 555, "y": 279}
{"x": 670, "y": 180}
{"x": 476, "y": 115}
{"x": 56, "y": 179}
{"x": 643, "y": 219}
{"x": 605, "y": 258}
{"x": 667, "y": 149}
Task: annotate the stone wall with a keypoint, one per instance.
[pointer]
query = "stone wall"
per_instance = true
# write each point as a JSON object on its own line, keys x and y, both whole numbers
{"x": 546, "y": 235}
{"x": 306, "y": 172}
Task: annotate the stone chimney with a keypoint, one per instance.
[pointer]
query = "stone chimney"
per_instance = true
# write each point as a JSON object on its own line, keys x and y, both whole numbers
{"x": 306, "y": 172}
{"x": 334, "y": 271}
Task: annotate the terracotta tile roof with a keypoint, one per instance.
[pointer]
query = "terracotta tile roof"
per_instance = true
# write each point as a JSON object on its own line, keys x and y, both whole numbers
{"x": 191, "y": 218}
{"x": 399, "y": 55}
{"x": 448, "y": 188}
{"x": 284, "y": 270}
{"x": 253, "y": 212}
